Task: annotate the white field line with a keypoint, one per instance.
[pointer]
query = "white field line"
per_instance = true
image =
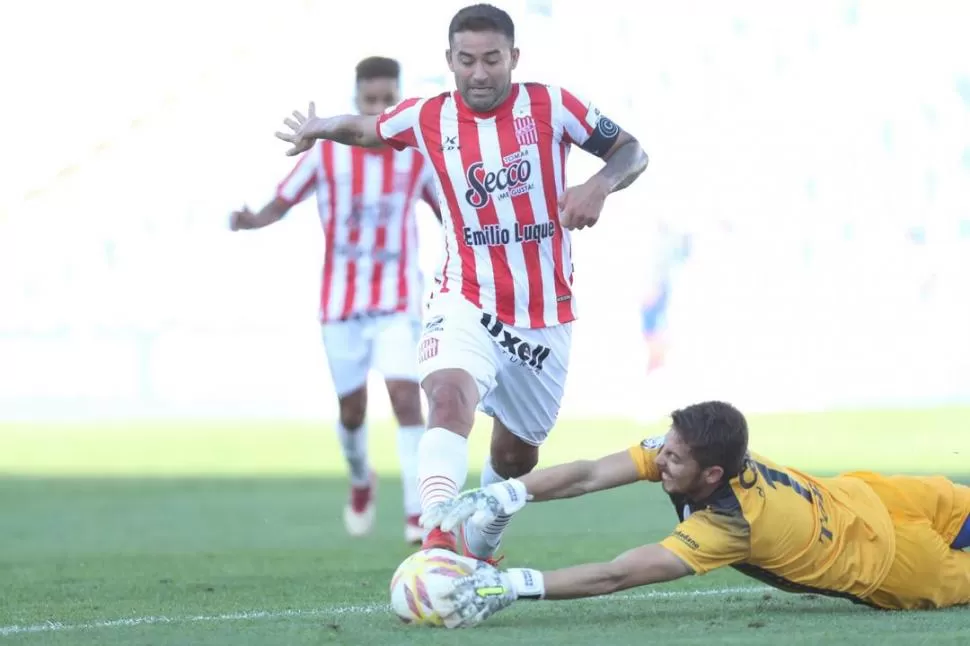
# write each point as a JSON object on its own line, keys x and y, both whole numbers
{"x": 255, "y": 615}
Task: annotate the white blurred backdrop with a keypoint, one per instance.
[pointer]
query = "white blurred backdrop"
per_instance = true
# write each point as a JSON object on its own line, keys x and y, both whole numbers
{"x": 817, "y": 154}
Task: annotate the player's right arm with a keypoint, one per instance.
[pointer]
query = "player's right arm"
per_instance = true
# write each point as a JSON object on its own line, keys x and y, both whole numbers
{"x": 395, "y": 127}
{"x": 586, "y": 476}
{"x": 580, "y": 477}
{"x": 296, "y": 187}
{"x": 244, "y": 219}
{"x": 563, "y": 481}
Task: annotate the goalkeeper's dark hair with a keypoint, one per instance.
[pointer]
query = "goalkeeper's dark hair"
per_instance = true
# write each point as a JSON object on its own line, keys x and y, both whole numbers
{"x": 716, "y": 433}
{"x": 378, "y": 67}
{"x": 482, "y": 17}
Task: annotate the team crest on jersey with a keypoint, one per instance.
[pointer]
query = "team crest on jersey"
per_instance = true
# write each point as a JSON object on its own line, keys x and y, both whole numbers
{"x": 525, "y": 131}
{"x": 428, "y": 349}
{"x": 652, "y": 443}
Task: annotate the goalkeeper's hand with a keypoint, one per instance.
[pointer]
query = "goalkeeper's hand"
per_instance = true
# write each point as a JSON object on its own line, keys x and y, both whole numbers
{"x": 472, "y": 599}
{"x": 481, "y": 505}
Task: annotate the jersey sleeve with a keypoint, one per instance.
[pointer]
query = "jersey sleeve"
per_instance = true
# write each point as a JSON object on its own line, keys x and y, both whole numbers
{"x": 302, "y": 180}
{"x": 707, "y": 540}
{"x": 397, "y": 125}
{"x": 644, "y": 456}
{"x": 584, "y": 125}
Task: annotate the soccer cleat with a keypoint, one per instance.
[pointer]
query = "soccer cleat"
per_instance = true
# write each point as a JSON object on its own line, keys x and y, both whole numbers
{"x": 360, "y": 512}
{"x": 437, "y": 539}
{"x": 413, "y": 532}
{"x": 478, "y": 549}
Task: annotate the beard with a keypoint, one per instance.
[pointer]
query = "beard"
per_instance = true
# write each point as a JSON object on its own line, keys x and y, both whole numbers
{"x": 485, "y": 98}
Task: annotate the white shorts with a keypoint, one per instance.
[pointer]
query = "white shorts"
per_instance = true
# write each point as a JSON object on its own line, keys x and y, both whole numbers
{"x": 521, "y": 372}
{"x": 385, "y": 343}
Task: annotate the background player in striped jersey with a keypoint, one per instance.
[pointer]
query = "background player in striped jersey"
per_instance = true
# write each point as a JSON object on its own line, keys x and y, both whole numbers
{"x": 372, "y": 285}
{"x": 497, "y": 330}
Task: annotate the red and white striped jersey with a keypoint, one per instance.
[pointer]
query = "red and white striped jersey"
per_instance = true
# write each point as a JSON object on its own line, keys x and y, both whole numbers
{"x": 499, "y": 176}
{"x": 366, "y": 202}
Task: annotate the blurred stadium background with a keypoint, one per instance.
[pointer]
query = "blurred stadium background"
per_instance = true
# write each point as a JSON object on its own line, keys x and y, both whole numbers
{"x": 820, "y": 162}
{"x": 816, "y": 156}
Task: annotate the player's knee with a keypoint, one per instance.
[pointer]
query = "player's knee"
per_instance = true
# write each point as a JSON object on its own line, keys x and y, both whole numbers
{"x": 353, "y": 409}
{"x": 514, "y": 462}
{"x": 451, "y": 401}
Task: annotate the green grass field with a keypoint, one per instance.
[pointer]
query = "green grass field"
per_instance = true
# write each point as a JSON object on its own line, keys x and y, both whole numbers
{"x": 135, "y": 533}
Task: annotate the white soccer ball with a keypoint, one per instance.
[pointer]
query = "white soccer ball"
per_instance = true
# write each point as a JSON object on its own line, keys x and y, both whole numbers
{"x": 416, "y": 579}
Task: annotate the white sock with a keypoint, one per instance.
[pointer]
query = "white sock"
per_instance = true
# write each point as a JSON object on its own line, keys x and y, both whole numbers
{"x": 442, "y": 466}
{"x": 408, "y": 439}
{"x": 492, "y": 532}
{"x": 354, "y": 445}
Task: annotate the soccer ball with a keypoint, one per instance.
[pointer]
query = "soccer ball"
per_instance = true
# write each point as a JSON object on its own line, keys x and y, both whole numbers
{"x": 419, "y": 573}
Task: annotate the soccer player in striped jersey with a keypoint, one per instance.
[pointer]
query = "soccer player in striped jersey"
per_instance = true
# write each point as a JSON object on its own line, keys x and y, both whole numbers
{"x": 372, "y": 285}
{"x": 497, "y": 329}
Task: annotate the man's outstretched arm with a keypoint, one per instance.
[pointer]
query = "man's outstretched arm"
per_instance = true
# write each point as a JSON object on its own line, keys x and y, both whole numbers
{"x": 509, "y": 496}
{"x": 637, "y": 567}
{"x": 580, "y": 477}
{"x": 475, "y": 598}
{"x": 347, "y": 129}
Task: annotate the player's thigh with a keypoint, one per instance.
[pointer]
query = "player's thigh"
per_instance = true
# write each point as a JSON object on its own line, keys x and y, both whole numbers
{"x": 395, "y": 347}
{"x": 452, "y": 338}
{"x": 348, "y": 348}
{"x": 945, "y": 504}
{"x": 534, "y": 364}
{"x": 925, "y": 572}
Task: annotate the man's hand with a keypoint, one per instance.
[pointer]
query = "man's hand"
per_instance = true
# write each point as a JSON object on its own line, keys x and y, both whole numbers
{"x": 241, "y": 219}
{"x": 470, "y": 600}
{"x": 481, "y": 505}
{"x": 580, "y": 206}
{"x": 301, "y": 127}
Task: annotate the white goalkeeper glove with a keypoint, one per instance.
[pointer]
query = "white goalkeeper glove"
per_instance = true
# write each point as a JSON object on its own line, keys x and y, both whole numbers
{"x": 481, "y": 505}
{"x": 472, "y": 599}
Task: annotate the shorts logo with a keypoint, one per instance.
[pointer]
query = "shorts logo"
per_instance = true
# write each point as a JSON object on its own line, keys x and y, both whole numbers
{"x": 427, "y": 349}
{"x": 434, "y": 324}
{"x": 519, "y": 351}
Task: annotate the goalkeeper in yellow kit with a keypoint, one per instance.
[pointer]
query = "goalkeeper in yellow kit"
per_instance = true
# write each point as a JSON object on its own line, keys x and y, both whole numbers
{"x": 890, "y": 542}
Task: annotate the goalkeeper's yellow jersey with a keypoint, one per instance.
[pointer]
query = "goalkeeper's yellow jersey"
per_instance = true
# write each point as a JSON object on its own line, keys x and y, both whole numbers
{"x": 831, "y": 536}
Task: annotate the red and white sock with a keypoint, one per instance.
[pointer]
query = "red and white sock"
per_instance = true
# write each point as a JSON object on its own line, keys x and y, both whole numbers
{"x": 442, "y": 466}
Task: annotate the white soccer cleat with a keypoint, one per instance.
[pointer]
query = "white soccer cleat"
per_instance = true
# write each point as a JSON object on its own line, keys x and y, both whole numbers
{"x": 475, "y": 545}
{"x": 361, "y": 511}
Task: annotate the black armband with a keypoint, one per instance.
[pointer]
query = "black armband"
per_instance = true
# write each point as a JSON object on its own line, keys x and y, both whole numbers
{"x": 602, "y": 138}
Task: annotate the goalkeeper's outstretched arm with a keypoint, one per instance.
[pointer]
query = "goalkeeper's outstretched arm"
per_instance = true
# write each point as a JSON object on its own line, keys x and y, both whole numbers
{"x": 470, "y": 600}
{"x": 581, "y": 477}
{"x": 640, "y": 566}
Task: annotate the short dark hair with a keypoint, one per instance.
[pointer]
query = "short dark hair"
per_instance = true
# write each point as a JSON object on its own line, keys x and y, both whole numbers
{"x": 378, "y": 67}
{"x": 716, "y": 433}
{"x": 482, "y": 17}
